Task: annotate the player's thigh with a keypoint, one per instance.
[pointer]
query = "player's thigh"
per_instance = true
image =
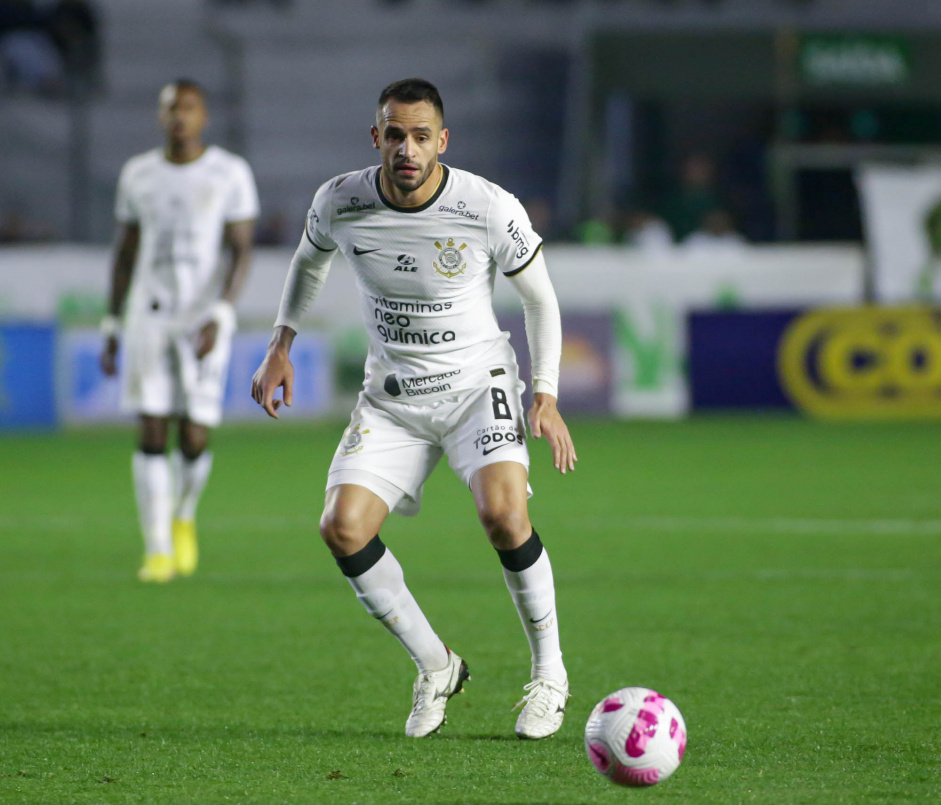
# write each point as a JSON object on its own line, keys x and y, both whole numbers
{"x": 489, "y": 428}
{"x": 387, "y": 449}
{"x": 500, "y": 494}
{"x": 202, "y": 380}
{"x": 148, "y": 373}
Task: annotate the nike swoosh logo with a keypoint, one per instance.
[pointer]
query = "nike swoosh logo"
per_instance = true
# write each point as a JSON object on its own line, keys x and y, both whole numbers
{"x": 384, "y": 616}
{"x": 536, "y": 620}
{"x": 489, "y": 450}
{"x": 358, "y": 251}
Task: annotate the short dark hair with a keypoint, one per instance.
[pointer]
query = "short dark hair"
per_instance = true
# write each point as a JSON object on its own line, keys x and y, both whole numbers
{"x": 189, "y": 85}
{"x": 413, "y": 90}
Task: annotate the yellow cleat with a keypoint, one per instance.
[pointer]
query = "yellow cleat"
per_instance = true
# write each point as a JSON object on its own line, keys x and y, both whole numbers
{"x": 186, "y": 552}
{"x": 157, "y": 567}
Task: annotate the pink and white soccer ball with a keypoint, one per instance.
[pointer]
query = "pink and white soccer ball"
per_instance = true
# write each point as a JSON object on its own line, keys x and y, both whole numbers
{"x": 635, "y": 737}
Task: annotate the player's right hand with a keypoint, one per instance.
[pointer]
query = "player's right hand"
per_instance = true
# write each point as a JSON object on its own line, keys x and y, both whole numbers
{"x": 275, "y": 371}
{"x": 109, "y": 356}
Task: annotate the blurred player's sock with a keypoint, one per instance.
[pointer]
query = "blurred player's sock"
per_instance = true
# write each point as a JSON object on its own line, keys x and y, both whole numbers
{"x": 189, "y": 480}
{"x": 152, "y": 488}
{"x": 379, "y": 582}
{"x": 528, "y": 577}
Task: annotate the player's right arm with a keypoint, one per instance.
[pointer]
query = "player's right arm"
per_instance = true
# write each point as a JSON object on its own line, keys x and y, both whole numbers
{"x": 122, "y": 267}
{"x": 308, "y": 272}
{"x": 276, "y": 371}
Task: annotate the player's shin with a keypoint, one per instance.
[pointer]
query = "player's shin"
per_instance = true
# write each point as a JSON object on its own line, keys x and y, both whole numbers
{"x": 528, "y": 576}
{"x": 189, "y": 481}
{"x": 152, "y": 488}
{"x": 379, "y": 583}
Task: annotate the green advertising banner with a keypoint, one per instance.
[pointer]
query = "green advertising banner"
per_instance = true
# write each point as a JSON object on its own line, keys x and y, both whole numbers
{"x": 858, "y": 60}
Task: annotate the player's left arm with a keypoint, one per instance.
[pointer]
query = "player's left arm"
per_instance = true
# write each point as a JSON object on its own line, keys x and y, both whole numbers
{"x": 238, "y": 239}
{"x": 544, "y": 336}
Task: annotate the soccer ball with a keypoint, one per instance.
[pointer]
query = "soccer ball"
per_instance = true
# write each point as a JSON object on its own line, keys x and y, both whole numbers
{"x": 635, "y": 737}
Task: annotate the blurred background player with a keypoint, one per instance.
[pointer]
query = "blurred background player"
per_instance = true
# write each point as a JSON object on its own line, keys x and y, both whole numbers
{"x": 426, "y": 241}
{"x": 177, "y": 208}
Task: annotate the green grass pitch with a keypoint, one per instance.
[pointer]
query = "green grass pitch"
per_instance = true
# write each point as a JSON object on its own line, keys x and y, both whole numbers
{"x": 779, "y": 579}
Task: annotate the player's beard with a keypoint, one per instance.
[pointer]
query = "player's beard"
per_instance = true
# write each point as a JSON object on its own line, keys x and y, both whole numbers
{"x": 407, "y": 185}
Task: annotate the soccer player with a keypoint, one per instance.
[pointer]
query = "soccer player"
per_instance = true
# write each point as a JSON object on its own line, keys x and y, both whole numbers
{"x": 425, "y": 242}
{"x": 178, "y": 207}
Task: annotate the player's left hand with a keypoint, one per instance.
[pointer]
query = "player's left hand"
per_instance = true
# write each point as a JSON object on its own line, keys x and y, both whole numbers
{"x": 206, "y": 338}
{"x": 545, "y": 420}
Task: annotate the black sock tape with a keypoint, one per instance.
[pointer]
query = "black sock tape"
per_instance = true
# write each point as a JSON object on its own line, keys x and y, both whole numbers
{"x": 152, "y": 451}
{"x": 358, "y": 563}
{"x": 523, "y": 557}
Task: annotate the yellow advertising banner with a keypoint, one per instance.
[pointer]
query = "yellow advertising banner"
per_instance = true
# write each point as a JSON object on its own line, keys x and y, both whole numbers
{"x": 864, "y": 363}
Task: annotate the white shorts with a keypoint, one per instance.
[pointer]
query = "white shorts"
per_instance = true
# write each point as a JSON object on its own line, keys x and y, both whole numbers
{"x": 161, "y": 375}
{"x": 391, "y": 447}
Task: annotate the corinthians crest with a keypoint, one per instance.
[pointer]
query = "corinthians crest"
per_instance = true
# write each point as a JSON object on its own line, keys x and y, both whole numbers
{"x": 450, "y": 261}
{"x": 354, "y": 441}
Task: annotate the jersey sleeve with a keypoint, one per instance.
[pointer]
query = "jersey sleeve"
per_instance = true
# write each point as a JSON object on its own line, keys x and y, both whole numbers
{"x": 318, "y": 219}
{"x": 125, "y": 210}
{"x": 513, "y": 243}
{"x": 242, "y": 204}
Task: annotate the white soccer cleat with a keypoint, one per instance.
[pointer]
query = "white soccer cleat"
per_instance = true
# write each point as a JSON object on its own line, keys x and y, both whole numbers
{"x": 543, "y": 709}
{"x": 430, "y": 696}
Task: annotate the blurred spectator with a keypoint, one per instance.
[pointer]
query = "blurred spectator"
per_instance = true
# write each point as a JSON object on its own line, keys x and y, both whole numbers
{"x": 28, "y": 59}
{"x": 73, "y": 25}
{"x": 16, "y": 227}
{"x": 645, "y": 231}
{"x": 598, "y": 231}
{"x": 695, "y": 196}
{"x": 716, "y": 235}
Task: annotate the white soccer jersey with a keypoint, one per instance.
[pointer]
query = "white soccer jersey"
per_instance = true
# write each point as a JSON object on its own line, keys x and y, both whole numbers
{"x": 426, "y": 275}
{"x": 182, "y": 211}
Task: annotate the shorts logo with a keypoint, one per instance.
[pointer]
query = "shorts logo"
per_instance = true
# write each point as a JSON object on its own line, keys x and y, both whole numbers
{"x": 450, "y": 261}
{"x": 493, "y": 438}
{"x": 354, "y": 441}
{"x": 461, "y": 205}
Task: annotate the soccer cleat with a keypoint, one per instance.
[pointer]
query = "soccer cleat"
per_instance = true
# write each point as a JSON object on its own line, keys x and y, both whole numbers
{"x": 430, "y": 696}
{"x": 543, "y": 709}
{"x": 185, "y": 550}
{"x": 157, "y": 567}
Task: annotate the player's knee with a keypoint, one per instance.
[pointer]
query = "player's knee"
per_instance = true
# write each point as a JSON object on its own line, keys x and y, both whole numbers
{"x": 507, "y": 525}
{"x": 193, "y": 441}
{"x": 343, "y": 531}
{"x": 153, "y": 436}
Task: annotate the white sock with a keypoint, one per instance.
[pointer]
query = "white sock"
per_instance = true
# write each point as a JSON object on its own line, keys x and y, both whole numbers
{"x": 382, "y": 590}
{"x": 533, "y": 592}
{"x": 189, "y": 480}
{"x": 152, "y": 488}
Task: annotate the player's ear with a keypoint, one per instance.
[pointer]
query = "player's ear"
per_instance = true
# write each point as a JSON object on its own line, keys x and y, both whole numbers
{"x": 443, "y": 141}
{"x": 375, "y": 136}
